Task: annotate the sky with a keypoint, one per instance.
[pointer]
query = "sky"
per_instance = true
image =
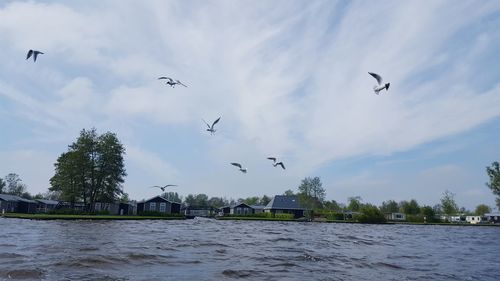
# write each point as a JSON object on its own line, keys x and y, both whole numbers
{"x": 288, "y": 78}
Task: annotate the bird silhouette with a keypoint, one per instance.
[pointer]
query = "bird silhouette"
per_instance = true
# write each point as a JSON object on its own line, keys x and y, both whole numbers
{"x": 380, "y": 86}
{"x": 243, "y": 170}
{"x": 211, "y": 129}
{"x": 33, "y": 53}
{"x": 272, "y": 158}
{"x": 163, "y": 187}
{"x": 279, "y": 164}
{"x": 171, "y": 81}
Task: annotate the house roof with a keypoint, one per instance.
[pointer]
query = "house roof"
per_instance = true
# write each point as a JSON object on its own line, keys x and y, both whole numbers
{"x": 47, "y": 202}
{"x": 14, "y": 198}
{"x": 493, "y": 214}
{"x": 288, "y": 202}
{"x": 164, "y": 199}
{"x": 257, "y": 207}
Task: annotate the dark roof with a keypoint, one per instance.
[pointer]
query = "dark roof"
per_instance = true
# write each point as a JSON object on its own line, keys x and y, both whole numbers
{"x": 14, "y": 198}
{"x": 163, "y": 198}
{"x": 239, "y": 204}
{"x": 257, "y": 207}
{"x": 288, "y": 202}
{"x": 47, "y": 202}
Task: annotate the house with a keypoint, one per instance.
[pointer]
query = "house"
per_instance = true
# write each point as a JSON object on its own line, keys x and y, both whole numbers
{"x": 492, "y": 217}
{"x": 257, "y": 208}
{"x": 159, "y": 204}
{"x": 241, "y": 209}
{"x": 395, "y": 216}
{"x": 473, "y": 219}
{"x": 456, "y": 218}
{"x": 200, "y": 211}
{"x": 12, "y": 203}
{"x": 45, "y": 205}
{"x": 285, "y": 204}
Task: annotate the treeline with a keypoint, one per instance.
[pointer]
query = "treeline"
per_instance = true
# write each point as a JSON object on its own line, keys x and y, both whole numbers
{"x": 202, "y": 200}
{"x": 12, "y": 184}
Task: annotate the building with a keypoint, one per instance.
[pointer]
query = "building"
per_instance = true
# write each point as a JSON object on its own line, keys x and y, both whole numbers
{"x": 285, "y": 204}
{"x": 492, "y": 217}
{"x": 45, "y": 205}
{"x": 15, "y": 204}
{"x": 473, "y": 219}
{"x": 160, "y": 205}
{"x": 200, "y": 211}
{"x": 395, "y": 216}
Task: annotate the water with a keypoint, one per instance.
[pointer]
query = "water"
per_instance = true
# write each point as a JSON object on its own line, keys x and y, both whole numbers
{"x": 205, "y": 249}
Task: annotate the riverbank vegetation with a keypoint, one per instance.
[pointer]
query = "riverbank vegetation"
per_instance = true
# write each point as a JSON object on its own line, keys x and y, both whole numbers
{"x": 88, "y": 217}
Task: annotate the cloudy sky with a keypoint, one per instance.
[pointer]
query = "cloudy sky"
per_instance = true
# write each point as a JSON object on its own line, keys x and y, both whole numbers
{"x": 288, "y": 78}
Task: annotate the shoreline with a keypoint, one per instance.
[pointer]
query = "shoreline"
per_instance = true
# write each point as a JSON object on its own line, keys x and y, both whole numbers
{"x": 84, "y": 217}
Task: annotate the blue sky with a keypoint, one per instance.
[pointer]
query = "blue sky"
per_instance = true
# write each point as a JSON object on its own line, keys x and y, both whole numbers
{"x": 288, "y": 78}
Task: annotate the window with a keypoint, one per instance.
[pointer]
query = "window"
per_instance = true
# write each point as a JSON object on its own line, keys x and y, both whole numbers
{"x": 163, "y": 207}
{"x": 152, "y": 206}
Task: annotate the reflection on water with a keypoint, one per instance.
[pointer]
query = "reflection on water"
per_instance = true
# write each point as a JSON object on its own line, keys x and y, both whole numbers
{"x": 205, "y": 249}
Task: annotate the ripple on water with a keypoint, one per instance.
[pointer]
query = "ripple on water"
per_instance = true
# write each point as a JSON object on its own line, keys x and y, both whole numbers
{"x": 20, "y": 274}
{"x": 237, "y": 274}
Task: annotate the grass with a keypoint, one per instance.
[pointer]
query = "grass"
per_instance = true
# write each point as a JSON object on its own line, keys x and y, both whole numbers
{"x": 87, "y": 217}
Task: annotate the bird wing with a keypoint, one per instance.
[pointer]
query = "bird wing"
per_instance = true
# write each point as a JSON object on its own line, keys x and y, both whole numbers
{"x": 272, "y": 158}
{"x": 281, "y": 164}
{"x": 376, "y": 76}
{"x": 170, "y": 185}
{"x": 38, "y": 52}
{"x": 206, "y": 123}
{"x": 179, "y": 82}
{"x": 236, "y": 164}
{"x": 168, "y": 78}
{"x": 215, "y": 122}
{"x": 30, "y": 52}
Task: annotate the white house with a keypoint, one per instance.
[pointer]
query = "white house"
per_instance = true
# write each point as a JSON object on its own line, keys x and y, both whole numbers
{"x": 473, "y": 219}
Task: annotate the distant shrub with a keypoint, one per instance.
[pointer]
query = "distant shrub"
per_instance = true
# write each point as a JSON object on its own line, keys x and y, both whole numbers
{"x": 284, "y": 216}
{"x": 370, "y": 214}
{"x": 335, "y": 216}
{"x": 415, "y": 218}
{"x": 77, "y": 212}
{"x": 158, "y": 214}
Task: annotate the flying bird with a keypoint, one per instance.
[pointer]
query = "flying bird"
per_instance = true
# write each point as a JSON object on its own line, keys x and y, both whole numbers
{"x": 171, "y": 81}
{"x": 164, "y": 187}
{"x": 272, "y": 158}
{"x": 34, "y": 53}
{"x": 211, "y": 128}
{"x": 243, "y": 170}
{"x": 380, "y": 86}
{"x": 279, "y": 164}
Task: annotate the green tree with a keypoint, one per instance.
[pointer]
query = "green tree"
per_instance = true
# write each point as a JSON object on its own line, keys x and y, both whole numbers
{"x": 15, "y": 186}
{"x": 217, "y": 202}
{"x": 332, "y": 206}
{"x": 124, "y": 198}
{"x": 252, "y": 200}
{"x": 172, "y": 196}
{"x": 410, "y": 208}
{"x": 428, "y": 213}
{"x": 448, "y": 203}
{"x": 311, "y": 193}
{"x": 288, "y": 192}
{"x": 200, "y": 200}
{"x": 354, "y": 203}
{"x": 2, "y": 185}
{"x": 264, "y": 200}
{"x": 494, "y": 183}
{"x": 91, "y": 170}
{"x": 389, "y": 206}
{"x": 482, "y": 209}
{"x": 371, "y": 214}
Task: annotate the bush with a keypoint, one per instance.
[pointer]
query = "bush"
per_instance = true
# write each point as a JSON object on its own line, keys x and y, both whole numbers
{"x": 335, "y": 216}
{"x": 284, "y": 216}
{"x": 76, "y": 212}
{"x": 158, "y": 214}
{"x": 370, "y": 214}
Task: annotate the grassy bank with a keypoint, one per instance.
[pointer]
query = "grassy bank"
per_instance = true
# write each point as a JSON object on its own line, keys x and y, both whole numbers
{"x": 86, "y": 217}
{"x": 243, "y": 218}
{"x": 413, "y": 223}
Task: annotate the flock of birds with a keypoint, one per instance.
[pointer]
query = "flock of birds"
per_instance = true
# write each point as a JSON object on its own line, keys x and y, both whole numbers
{"x": 211, "y": 128}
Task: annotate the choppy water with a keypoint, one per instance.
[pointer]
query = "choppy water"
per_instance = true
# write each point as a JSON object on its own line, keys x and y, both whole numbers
{"x": 205, "y": 249}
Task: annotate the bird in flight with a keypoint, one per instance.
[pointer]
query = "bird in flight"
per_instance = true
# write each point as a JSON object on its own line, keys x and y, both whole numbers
{"x": 279, "y": 164}
{"x": 164, "y": 187}
{"x": 380, "y": 86}
{"x": 33, "y": 53}
{"x": 171, "y": 81}
{"x": 276, "y": 164}
{"x": 211, "y": 129}
{"x": 243, "y": 170}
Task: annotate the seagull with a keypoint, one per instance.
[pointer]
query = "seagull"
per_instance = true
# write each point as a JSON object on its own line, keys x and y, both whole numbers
{"x": 34, "y": 53}
{"x": 243, "y": 170}
{"x": 163, "y": 187}
{"x": 279, "y": 164}
{"x": 272, "y": 158}
{"x": 380, "y": 87}
{"x": 211, "y": 128}
{"x": 171, "y": 81}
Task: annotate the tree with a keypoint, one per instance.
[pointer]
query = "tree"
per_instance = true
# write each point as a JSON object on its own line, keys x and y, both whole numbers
{"x": 91, "y": 170}
{"x": 482, "y": 209}
{"x": 428, "y": 213}
{"x": 252, "y": 200}
{"x": 14, "y": 184}
{"x": 389, "y": 206}
{"x": 124, "y": 198}
{"x": 448, "y": 203}
{"x": 2, "y": 186}
{"x": 332, "y": 206}
{"x": 172, "y": 196}
{"x": 311, "y": 192}
{"x": 288, "y": 192}
{"x": 217, "y": 202}
{"x": 354, "y": 203}
{"x": 371, "y": 214}
{"x": 264, "y": 200}
{"x": 494, "y": 184}
{"x": 410, "y": 208}
{"x": 200, "y": 200}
